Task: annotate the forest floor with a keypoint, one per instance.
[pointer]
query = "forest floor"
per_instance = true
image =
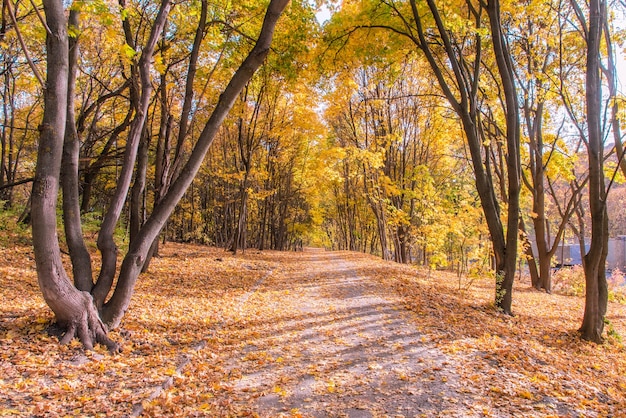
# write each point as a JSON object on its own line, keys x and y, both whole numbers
{"x": 309, "y": 334}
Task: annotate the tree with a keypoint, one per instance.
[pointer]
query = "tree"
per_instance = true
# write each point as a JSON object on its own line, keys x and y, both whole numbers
{"x": 587, "y": 24}
{"x": 596, "y": 289}
{"x": 75, "y": 309}
{"x": 506, "y": 70}
{"x": 535, "y": 50}
{"x": 21, "y": 97}
{"x": 400, "y": 155}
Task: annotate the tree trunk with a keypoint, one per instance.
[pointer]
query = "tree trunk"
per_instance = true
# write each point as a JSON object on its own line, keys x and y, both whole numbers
{"x": 540, "y": 226}
{"x": 530, "y": 257}
{"x": 6, "y": 139}
{"x": 402, "y": 235}
{"x": 263, "y": 226}
{"x": 74, "y": 309}
{"x": 596, "y": 293}
{"x": 239, "y": 241}
{"x": 81, "y": 260}
{"x": 137, "y": 201}
{"x": 505, "y": 68}
{"x": 162, "y": 163}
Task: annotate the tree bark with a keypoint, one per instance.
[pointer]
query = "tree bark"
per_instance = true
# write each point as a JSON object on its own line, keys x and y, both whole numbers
{"x": 6, "y": 138}
{"x": 530, "y": 257}
{"x": 137, "y": 201}
{"x": 239, "y": 240}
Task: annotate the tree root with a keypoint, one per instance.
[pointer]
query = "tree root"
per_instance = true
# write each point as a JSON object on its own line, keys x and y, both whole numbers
{"x": 88, "y": 327}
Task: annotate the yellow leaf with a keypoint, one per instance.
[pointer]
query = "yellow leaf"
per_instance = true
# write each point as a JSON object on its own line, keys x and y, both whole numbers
{"x": 525, "y": 393}
{"x": 330, "y": 387}
{"x": 128, "y": 51}
{"x": 280, "y": 391}
{"x": 539, "y": 378}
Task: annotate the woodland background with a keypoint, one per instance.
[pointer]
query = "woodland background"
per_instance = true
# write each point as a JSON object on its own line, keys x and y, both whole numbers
{"x": 335, "y": 135}
{"x": 453, "y": 136}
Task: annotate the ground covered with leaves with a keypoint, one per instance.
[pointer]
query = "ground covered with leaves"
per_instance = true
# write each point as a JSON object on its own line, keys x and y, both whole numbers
{"x": 313, "y": 333}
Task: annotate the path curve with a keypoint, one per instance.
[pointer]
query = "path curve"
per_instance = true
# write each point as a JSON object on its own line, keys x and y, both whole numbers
{"x": 339, "y": 345}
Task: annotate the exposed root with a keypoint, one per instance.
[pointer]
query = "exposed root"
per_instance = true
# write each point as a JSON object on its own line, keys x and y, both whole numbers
{"x": 69, "y": 334}
{"x": 88, "y": 327}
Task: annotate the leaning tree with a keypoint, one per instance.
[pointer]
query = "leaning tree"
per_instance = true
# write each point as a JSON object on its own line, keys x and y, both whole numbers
{"x": 80, "y": 308}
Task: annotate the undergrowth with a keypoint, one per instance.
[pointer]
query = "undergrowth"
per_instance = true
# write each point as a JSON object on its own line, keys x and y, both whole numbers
{"x": 570, "y": 281}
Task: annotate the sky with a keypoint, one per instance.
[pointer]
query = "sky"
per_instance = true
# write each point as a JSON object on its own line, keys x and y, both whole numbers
{"x": 323, "y": 15}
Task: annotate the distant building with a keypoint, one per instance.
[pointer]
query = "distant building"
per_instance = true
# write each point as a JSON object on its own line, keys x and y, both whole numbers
{"x": 617, "y": 253}
{"x": 569, "y": 254}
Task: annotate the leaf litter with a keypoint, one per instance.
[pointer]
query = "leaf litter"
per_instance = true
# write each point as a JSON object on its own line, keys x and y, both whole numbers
{"x": 305, "y": 334}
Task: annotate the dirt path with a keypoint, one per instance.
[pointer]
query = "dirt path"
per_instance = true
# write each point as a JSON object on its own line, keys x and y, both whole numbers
{"x": 325, "y": 342}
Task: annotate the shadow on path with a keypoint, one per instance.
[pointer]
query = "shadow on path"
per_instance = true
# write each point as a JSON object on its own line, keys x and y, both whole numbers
{"x": 339, "y": 346}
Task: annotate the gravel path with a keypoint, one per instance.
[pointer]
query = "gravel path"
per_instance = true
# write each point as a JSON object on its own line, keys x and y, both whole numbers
{"x": 339, "y": 346}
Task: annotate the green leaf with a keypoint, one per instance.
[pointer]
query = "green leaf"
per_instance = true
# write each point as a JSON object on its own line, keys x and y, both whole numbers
{"x": 73, "y": 31}
{"x": 128, "y": 51}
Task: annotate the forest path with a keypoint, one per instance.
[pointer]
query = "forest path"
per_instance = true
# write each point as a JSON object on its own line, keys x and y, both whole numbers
{"x": 317, "y": 339}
